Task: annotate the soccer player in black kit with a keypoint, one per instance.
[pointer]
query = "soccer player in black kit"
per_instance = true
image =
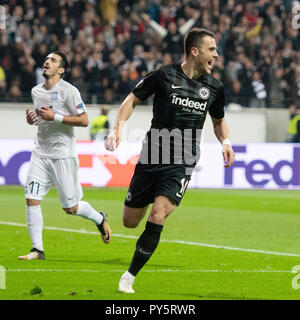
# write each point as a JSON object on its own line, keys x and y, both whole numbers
{"x": 183, "y": 94}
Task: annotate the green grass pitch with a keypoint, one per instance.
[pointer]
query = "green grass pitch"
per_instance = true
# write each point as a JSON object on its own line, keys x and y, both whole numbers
{"x": 203, "y": 253}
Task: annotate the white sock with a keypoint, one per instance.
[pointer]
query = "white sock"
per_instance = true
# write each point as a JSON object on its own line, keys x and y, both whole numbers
{"x": 35, "y": 226}
{"x": 86, "y": 211}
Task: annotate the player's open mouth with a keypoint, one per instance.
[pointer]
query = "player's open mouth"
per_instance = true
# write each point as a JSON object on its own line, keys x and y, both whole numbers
{"x": 46, "y": 68}
{"x": 210, "y": 64}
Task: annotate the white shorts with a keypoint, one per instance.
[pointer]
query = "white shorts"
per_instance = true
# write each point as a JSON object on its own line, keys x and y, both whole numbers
{"x": 63, "y": 173}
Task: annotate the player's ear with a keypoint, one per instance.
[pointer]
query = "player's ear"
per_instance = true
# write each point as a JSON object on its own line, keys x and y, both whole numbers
{"x": 61, "y": 71}
{"x": 194, "y": 51}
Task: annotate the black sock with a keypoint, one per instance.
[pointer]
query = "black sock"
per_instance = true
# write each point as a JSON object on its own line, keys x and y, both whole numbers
{"x": 145, "y": 247}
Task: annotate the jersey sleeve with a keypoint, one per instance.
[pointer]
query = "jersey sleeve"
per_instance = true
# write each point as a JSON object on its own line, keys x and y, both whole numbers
{"x": 147, "y": 86}
{"x": 74, "y": 101}
{"x": 217, "y": 109}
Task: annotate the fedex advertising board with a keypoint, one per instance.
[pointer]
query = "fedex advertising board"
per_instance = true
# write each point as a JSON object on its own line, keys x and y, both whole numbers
{"x": 257, "y": 165}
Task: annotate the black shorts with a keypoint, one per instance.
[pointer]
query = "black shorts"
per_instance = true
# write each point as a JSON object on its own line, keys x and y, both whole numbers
{"x": 149, "y": 182}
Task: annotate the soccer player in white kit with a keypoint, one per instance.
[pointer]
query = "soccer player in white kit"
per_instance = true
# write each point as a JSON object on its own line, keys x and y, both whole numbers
{"x": 58, "y": 108}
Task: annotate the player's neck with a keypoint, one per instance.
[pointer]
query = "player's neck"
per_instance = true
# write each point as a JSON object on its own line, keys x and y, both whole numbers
{"x": 51, "y": 82}
{"x": 190, "y": 70}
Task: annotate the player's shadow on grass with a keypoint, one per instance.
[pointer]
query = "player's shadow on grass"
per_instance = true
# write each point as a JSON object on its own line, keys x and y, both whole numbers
{"x": 111, "y": 262}
{"x": 210, "y": 296}
{"x": 127, "y": 263}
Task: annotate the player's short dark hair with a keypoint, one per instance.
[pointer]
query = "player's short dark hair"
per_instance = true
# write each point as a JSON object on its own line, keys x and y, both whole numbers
{"x": 63, "y": 61}
{"x": 194, "y": 39}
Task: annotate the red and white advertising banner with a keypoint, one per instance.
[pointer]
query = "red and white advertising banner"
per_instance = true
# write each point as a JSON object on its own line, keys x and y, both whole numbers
{"x": 257, "y": 165}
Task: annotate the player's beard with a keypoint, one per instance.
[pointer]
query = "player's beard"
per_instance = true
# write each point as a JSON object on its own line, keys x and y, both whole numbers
{"x": 46, "y": 76}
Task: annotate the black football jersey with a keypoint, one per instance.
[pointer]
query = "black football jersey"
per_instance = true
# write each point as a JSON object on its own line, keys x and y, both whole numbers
{"x": 180, "y": 107}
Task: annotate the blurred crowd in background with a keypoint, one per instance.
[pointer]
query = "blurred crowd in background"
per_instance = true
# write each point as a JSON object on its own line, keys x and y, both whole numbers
{"x": 111, "y": 44}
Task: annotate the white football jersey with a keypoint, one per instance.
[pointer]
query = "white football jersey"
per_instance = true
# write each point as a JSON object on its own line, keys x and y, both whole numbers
{"x": 57, "y": 140}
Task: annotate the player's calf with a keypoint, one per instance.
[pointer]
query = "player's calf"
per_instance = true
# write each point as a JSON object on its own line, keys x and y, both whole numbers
{"x": 145, "y": 246}
{"x": 161, "y": 209}
{"x": 71, "y": 210}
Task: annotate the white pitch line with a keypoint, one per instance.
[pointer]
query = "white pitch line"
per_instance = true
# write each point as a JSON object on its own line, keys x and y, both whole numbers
{"x": 207, "y": 245}
{"x": 150, "y": 271}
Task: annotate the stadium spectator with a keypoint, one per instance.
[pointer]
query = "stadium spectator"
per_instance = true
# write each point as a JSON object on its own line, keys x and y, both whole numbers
{"x": 219, "y": 70}
{"x": 94, "y": 66}
{"x": 231, "y": 71}
{"x": 14, "y": 94}
{"x": 293, "y": 129}
{"x": 28, "y": 79}
{"x": 278, "y": 87}
{"x": 100, "y": 125}
{"x": 152, "y": 57}
{"x": 41, "y": 35}
{"x": 29, "y": 11}
{"x": 244, "y": 74}
{"x": 43, "y": 18}
{"x": 63, "y": 28}
{"x": 262, "y": 28}
{"x": 108, "y": 10}
{"x": 124, "y": 83}
{"x": 260, "y": 93}
{"x": 235, "y": 96}
{"x": 172, "y": 36}
{"x": 39, "y": 53}
{"x": 251, "y": 13}
{"x": 3, "y": 83}
{"x": 110, "y": 72}
{"x": 139, "y": 61}
{"x": 109, "y": 96}
{"x": 141, "y": 6}
{"x": 78, "y": 81}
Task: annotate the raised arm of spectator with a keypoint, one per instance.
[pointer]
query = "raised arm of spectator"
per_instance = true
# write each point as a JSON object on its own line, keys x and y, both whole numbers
{"x": 157, "y": 27}
{"x": 189, "y": 23}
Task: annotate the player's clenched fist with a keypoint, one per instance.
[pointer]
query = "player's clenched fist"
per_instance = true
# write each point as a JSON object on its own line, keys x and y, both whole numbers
{"x": 112, "y": 141}
{"x": 46, "y": 113}
{"x": 31, "y": 116}
{"x": 228, "y": 155}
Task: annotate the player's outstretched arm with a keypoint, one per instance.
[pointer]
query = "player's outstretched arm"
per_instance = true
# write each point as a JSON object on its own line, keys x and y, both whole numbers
{"x": 221, "y": 132}
{"x": 113, "y": 139}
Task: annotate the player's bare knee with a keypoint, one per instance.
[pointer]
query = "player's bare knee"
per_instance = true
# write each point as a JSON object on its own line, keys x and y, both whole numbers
{"x": 130, "y": 223}
{"x": 71, "y": 210}
{"x": 158, "y": 216}
{"x": 133, "y": 216}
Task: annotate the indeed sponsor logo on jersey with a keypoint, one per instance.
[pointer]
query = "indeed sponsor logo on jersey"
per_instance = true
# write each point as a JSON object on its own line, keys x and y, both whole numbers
{"x": 187, "y": 102}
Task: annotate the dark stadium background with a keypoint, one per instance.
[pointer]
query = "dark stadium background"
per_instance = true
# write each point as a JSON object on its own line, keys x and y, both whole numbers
{"x": 111, "y": 44}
